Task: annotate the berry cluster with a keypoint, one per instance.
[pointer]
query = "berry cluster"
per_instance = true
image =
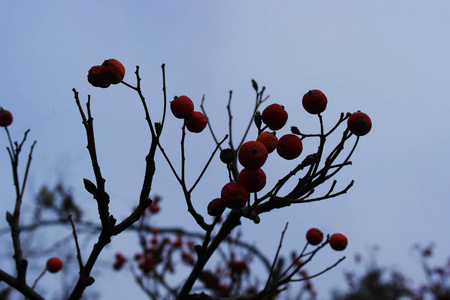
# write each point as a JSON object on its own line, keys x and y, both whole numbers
{"x": 110, "y": 72}
{"x": 183, "y": 108}
{"x": 154, "y": 207}
{"x": 252, "y": 155}
{"x": 120, "y": 261}
{"x": 159, "y": 247}
{"x": 337, "y": 241}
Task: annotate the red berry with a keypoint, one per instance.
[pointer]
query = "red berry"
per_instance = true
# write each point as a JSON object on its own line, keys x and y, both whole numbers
{"x": 239, "y": 266}
{"x": 359, "y": 123}
{"x": 274, "y": 116}
{"x": 118, "y": 265}
{"x": 234, "y": 195}
{"x": 191, "y": 246}
{"x": 120, "y": 257}
{"x": 338, "y": 242}
{"x": 253, "y": 180}
{"x": 95, "y": 77}
{"x": 314, "y": 236}
{"x": 6, "y": 118}
{"x": 154, "y": 208}
{"x": 178, "y": 242}
{"x": 147, "y": 264}
{"x": 252, "y": 155}
{"x": 314, "y": 102}
{"x": 269, "y": 140}
{"x": 187, "y": 258}
{"x": 289, "y": 146}
{"x": 113, "y": 71}
{"x": 196, "y": 122}
{"x": 182, "y": 107}
{"x": 54, "y": 264}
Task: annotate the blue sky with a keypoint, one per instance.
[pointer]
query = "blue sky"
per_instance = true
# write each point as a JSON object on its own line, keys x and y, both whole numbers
{"x": 387, "y": 59}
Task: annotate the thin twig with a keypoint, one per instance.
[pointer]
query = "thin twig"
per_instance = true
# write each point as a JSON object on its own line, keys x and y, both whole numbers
{"x": 276, "y": 256}
{"x": 320, "y": 273}
{"x": 37, "y": 279}
{"x": 74, "y": 232}
{"x": 207, "y": 164}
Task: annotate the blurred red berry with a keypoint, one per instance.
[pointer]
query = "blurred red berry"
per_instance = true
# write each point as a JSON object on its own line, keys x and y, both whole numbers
{"x": 239, "y": 266}
{"x": 54, "y": 264}
{"x": 154, "y": 208}
{"x": 120, "y": 257}
{"x": 117, "y": 265}
{"x": 191, "y": 245}
{"x": 187, "y": 258}
{"x": 147, "y": 264}
{"x": 178, "y": 242}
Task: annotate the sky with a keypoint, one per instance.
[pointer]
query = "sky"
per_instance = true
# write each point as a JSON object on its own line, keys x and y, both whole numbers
{"x": 387, "y": 59}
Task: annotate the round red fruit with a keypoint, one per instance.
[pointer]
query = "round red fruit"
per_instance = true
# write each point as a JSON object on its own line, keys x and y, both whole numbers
{"x": 234, "y": 195}
{"x": 54, "y": 264}
{"x": 314, "y": 102}
{"x": 196, "y": 122}
{"x": 95, "y": 77}
{"x": 269, "y": 140}
{"x": 359, "y": 123}
{"x": 274, "y": 116}
{"x": 338, "y": 241}
{"x": 289, "y": 146}
{"x": 253, "y": 180}
{"x": 6, "y": 118}
{"x": 113, "y": 71}
{"x": 182, "y": 107}
{"x": 252, "y": 155}
{"x": 314, "y": 236}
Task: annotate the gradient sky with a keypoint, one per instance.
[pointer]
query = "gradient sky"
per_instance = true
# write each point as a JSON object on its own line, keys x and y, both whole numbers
{"x": 388, "y": 59}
